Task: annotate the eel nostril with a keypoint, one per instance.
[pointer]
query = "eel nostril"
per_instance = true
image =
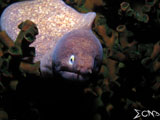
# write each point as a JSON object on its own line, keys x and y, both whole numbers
{"x": 89, "y": 71}
{"x": 79, "y": 69}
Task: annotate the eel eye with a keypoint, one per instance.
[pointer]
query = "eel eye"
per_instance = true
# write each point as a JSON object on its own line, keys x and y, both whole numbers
{"x": 71, "y": 60}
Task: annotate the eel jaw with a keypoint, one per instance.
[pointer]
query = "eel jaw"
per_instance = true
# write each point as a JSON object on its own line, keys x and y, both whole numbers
{"x": 74, "y": 75}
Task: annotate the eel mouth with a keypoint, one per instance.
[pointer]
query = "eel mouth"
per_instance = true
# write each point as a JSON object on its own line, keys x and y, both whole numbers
{"x": 74, "y": 75}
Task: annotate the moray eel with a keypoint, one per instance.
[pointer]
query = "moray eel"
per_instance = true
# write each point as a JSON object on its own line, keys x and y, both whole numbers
{"x": 65, "y": 45}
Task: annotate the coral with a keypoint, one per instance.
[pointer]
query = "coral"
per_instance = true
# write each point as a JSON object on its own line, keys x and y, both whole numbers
{"x": 128, "y": 31}
{"x": 16, "y": 59}
{"x": 129, "y": 77}
{"x": 85, "y": 5}
{"x": 19, "y": 50}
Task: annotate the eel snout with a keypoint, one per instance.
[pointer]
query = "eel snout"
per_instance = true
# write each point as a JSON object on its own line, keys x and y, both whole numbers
{"x": 85, "y": 65}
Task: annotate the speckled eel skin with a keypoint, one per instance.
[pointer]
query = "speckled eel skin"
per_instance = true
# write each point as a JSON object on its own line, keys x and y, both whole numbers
{"x": 65, "y": 45}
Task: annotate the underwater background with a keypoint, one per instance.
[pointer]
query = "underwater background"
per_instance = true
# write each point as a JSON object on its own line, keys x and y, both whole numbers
{"x": 129, "y": 77}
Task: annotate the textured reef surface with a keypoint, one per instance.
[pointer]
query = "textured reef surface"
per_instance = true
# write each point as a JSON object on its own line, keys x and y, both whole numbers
{"x": 129, "y": 77}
